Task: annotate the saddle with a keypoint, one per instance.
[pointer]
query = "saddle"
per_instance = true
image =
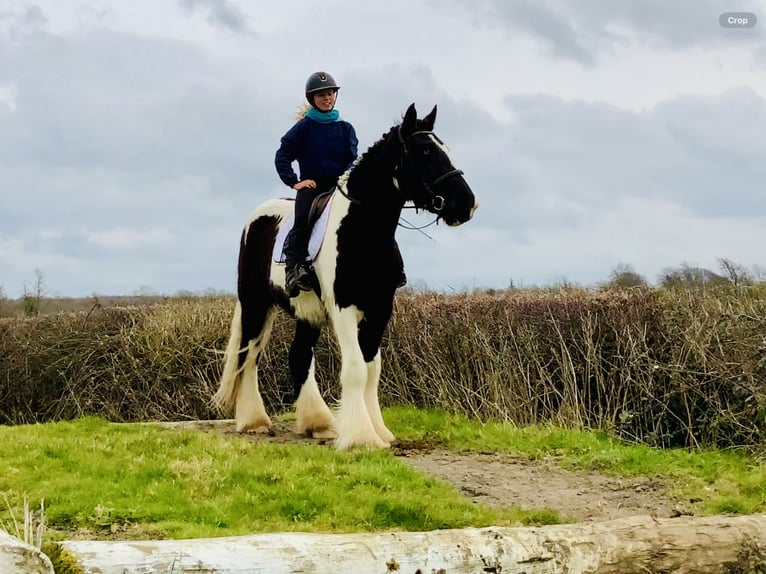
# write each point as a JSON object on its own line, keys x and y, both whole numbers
{"x": 318, "y": 206}
{"x": 318, "y": 217}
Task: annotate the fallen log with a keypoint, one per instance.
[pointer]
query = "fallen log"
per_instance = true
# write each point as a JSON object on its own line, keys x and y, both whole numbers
{"x": 18, "y": 557}
{"x": 638, "y": 544}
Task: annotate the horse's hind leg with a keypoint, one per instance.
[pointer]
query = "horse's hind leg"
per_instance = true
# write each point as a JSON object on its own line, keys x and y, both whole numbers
{"x": 238, "y": 389}
{"x": 250, "y": 411}
{"x": 313, "y": 417}
{"x": 256, "y": 306}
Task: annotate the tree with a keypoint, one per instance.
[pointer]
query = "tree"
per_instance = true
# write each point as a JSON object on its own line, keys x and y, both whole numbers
{"x": 736, "y": 273}
{"x": 31, "y": 300}
{"x": 688, "y": 277}
{"x": 624, "y": 276}
{"x": 3, "y": 303}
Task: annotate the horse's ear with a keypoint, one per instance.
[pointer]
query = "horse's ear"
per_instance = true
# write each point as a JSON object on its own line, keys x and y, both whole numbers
{"x": 410, "y": 119}
{"x": 430, "y": 119}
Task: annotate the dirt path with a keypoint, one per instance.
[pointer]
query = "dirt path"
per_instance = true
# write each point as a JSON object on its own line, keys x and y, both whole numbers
{"x": 505, "y": 480}
{"x": 501, "y": 480}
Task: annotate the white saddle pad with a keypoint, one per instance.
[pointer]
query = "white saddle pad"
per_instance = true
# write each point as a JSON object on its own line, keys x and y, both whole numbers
{"x": 315, "y": 241}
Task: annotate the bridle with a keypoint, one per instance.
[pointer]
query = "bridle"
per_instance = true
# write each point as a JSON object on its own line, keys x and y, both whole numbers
{"x": 436, "y": 201}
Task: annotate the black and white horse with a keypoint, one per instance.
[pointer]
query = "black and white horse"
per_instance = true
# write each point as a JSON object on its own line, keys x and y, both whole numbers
{"x": 357, "y": 270}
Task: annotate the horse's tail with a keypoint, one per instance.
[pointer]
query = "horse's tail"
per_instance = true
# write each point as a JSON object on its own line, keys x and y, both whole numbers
{"x": 231, "y": 378}
{"x": 251, "y": 324}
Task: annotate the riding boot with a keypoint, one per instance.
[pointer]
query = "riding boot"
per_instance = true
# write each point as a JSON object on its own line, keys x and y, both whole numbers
{"x": 297, "y": 276}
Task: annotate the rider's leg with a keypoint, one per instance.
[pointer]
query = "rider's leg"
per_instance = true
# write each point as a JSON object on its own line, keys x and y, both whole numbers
{"x": 297, "y": 277}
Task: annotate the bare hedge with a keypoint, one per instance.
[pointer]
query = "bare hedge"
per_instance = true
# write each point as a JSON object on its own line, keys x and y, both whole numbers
{"x": 667, "y": 367}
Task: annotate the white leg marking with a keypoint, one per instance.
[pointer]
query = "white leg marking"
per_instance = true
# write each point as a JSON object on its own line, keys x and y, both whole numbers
{"x": 313, "y": 417}
{"x": 354, "y": 425}
{"x": 371, "y": 400}
{"x": 250, "y": 411}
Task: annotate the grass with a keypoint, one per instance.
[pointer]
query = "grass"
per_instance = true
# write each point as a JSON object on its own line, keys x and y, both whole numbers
{"x": 106, "y": 480}
{"x": 716, "y": 481}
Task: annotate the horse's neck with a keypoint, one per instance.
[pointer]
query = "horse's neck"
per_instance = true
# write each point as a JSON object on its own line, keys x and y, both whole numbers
{"x": 371, "y": 181}
{"x": 375, "y": 204}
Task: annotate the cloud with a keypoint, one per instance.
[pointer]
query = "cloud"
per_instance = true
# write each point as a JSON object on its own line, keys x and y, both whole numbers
{"x": 703, "y": 152}
{"x": 132, "y": 155}
{"x": 27, "y": 17}
{"x": 122, "y": 238}
{"x": 8, "y": 95}
{"x": 221, "y": 13}
{"x": 137, "y": 144}
{"x": 586, "y": 30}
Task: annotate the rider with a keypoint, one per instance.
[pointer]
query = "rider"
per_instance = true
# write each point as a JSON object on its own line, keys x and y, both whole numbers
{"x": 325, "y": 146}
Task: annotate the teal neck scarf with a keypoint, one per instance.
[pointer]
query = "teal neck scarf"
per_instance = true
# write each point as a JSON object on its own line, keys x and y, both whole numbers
{"x": 323, "y": 117}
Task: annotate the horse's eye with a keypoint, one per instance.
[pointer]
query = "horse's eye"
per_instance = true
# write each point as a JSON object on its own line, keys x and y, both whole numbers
{"x": 426, "y": 151}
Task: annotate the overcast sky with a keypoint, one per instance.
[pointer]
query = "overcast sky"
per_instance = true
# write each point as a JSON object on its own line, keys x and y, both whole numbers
{"x": 136, "y": 137}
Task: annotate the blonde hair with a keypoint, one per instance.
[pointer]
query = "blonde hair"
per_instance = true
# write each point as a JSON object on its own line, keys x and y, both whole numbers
{"x": 302, "y": 110}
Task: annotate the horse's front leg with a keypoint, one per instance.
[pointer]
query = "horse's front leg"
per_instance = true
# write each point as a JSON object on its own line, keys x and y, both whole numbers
{"x": 371, "y": 399}
{"x": 354, "y": 424}
{"x": 370, "y": 335}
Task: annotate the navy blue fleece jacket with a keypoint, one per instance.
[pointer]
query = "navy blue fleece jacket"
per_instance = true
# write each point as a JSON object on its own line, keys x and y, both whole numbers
{"x": 323, "y": 151}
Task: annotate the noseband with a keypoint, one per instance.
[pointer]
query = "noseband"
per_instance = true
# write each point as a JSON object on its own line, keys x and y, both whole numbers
{"x": 436, "y": 201}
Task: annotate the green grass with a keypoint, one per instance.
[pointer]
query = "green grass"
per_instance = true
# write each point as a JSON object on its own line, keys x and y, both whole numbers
{"x": 105, "y": 480}
{"x": 715, "y": 481}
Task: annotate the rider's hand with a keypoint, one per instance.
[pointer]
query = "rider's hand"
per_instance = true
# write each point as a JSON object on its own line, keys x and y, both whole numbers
{"x": 310, "y": 183}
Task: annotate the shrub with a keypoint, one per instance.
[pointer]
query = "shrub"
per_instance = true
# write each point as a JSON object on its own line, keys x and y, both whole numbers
{"x": 665, "y": 366}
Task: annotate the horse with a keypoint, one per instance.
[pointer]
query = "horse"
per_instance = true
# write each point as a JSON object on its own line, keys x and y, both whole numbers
{"x": 356, "y": 272}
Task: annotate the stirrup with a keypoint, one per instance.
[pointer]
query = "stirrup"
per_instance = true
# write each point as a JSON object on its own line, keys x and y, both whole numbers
{"x": 297, "y": 279}
{"x": 303, "y": 278}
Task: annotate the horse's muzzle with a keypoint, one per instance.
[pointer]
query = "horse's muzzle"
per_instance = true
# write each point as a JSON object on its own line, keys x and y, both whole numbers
{"x": 459, "y": 204}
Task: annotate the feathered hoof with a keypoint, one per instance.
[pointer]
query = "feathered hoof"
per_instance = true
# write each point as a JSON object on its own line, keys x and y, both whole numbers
{"x": 368, "y": 442}
{"x": 256, "y": 427}
{"x": 320, "y": 424}
{"x": 386, "y": 435}
{"x": 322, "y": 433}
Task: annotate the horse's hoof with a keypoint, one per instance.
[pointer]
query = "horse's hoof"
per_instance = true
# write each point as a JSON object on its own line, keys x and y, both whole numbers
{"x": 260, "y": 429}
{"x": 386, "y": 435}
{"x": 370, "y": 443}
{"x": 323, "y": 433}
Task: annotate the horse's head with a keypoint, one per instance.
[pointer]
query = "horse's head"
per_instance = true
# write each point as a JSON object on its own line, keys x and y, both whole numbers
{"x": 426, "y": 175}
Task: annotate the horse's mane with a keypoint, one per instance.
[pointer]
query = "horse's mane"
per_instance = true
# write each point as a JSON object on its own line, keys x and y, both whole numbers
{"x": 378, "y": 144}
{"x": 383, "y": 139}
{"x": 373, "y": 150}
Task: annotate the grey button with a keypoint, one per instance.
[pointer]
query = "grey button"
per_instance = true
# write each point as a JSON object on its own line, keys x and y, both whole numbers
{"x": 738, "y": 20}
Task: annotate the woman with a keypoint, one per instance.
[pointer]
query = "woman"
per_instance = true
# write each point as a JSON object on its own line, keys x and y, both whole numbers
{"x": 324, "y": 146}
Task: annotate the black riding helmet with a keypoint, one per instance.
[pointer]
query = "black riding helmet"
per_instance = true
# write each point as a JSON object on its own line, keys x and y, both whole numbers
{"x": 317, "y": 82}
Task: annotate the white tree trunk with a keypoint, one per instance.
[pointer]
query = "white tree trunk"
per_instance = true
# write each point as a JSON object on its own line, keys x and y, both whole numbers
{"x": 638, "y": 544}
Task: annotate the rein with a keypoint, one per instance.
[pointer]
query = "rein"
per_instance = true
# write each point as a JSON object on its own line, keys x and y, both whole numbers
{"x": 409, "y": 225}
